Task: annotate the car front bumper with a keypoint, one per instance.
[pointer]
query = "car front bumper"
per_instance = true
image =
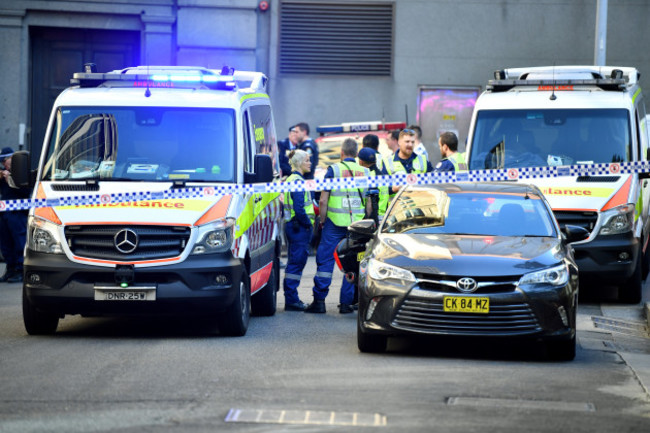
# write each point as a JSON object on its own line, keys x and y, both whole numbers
{"x": 54, "y": 284}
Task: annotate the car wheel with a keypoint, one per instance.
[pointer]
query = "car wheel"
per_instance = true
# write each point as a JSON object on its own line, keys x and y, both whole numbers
{"x": 369, "y": 343}
{"x": 37, "y": 322}
{"x": 646, "y": 264}
{"x": 630, "y": 292}
{"x": 234, "y": 321}
{"x": 264, "y": 302}
{"x": 561, "y": 350}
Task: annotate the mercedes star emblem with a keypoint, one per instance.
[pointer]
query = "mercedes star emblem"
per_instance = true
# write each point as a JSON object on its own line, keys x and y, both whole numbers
{"x": 126, "y": 241}
{"x": 466, "y": 285}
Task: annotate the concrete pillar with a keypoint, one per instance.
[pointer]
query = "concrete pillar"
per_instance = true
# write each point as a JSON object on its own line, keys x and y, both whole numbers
{"x": 158, "y": 42}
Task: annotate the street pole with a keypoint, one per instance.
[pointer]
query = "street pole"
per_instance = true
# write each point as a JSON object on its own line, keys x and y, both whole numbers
{"x": 600, "y": 49}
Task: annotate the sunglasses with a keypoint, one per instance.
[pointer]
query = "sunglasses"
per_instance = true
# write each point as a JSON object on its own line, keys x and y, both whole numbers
{"x": 408, "y": 131}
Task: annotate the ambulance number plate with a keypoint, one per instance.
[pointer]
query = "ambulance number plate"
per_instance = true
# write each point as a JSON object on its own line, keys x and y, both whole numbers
{"x": 465, "y": 304}
{"x": 134, "y": 293}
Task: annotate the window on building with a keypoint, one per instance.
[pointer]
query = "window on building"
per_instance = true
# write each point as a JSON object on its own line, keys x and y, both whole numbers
{"x": 336, "y": 38}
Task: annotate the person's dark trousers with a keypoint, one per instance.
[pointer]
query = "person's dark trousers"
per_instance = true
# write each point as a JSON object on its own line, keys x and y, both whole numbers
{"x": 13, "y": 232}
{"x": 330, "y": 238}
{"x": 298, "y": 250}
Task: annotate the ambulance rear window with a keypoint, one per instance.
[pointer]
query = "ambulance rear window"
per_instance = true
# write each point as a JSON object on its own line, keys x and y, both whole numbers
{"x": 142, "y": 143}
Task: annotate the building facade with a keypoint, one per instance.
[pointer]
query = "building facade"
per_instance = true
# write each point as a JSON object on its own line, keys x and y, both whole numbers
{"x": 328, "y": 61}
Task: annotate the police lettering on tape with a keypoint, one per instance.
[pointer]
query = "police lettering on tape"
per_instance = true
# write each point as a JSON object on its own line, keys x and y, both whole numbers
{"x": 398, "y": 179}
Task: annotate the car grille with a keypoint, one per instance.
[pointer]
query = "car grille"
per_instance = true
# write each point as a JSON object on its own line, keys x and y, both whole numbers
{"x": 491, "y": 284}
{"x": 154, "y": 242}
{"x": 586, "y": 220}
{"x": 427, "y": 316}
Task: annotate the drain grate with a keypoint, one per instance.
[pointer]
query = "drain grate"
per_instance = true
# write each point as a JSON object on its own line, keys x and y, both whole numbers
{"x": 521, "y": 404}
{"x": 306, "y": 417}
{"x": 637, "y": 329}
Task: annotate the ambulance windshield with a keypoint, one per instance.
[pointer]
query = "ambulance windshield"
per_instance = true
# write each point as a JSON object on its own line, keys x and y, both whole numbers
{"x": 537, "y": 138}
{"x": 142, "y": 143}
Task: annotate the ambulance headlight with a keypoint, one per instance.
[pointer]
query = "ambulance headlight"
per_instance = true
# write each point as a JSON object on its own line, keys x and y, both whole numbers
{"x": 44, "y": 236}
{"x": 618, "y": 220}
{"x": 215, "y": 237}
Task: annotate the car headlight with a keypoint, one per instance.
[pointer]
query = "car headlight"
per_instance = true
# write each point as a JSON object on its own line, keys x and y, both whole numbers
{"x": 555, "y": 276}
{"x": 215, "y": 237}
{"x": 44, "y": 236}
{"x": 382, "y": 271}
{"x": 618, "y": 220}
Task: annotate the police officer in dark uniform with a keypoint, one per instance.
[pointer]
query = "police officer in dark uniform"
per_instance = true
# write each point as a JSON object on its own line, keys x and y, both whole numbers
{"x": 308, "y": 145}
{"x": 13, "y": 224}
{"x": 284, "y": 147}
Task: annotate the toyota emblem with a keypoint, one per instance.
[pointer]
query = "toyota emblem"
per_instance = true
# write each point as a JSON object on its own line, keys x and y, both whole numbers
{"x": 466, "y": 285}
{"x": 126, "y": 241}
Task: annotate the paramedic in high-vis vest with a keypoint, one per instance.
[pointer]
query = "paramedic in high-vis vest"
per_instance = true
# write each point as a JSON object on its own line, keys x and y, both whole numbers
{"x": 405, "y": 160}
{"x": 338, "y": 209}
{"x": 299, "y": 215}
{"x": 452, "y": 159}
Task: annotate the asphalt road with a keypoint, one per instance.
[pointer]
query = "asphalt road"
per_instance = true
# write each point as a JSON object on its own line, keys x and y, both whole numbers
{"x": 303, "y": 373}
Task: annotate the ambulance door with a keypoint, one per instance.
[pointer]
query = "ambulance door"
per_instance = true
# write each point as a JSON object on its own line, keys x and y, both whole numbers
{"x": 247, "y": 224}
{"x": 641, "y": 132}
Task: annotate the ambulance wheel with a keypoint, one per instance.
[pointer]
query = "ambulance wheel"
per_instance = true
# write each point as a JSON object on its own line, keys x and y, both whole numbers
{"x": 234, "y": 321}
{"x": 37, "y": 322}
{"x": 646, "y": 264}
{"x": 630, "y": 292}
{"x": 264, "y": 302}
{"x": 370, "y": 343}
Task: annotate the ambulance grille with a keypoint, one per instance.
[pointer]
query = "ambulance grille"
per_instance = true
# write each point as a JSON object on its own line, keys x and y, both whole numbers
{"x": 586, "y": 220}
{"x": 153, "y": 242}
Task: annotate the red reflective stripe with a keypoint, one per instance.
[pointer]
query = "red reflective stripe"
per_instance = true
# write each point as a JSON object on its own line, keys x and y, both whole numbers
{"x": 261, "y": 277}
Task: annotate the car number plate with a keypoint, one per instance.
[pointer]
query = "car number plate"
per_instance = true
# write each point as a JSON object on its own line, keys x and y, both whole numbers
{"x": 465, "y": 304}
{"x": 139, "y": 293}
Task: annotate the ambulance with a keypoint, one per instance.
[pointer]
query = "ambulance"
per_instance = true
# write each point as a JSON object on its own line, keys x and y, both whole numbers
{"x": 574, "y": 116}
{"x": 205, "y": 253}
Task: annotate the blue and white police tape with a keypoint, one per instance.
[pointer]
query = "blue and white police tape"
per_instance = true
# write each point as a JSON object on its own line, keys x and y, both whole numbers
{"x": 399, "y": 179}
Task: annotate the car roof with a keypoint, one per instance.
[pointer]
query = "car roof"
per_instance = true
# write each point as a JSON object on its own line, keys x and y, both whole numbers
{"x": 483, "y": 187}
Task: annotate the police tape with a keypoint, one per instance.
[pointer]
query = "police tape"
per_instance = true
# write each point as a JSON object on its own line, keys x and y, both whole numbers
{"x": 398, "y": 179}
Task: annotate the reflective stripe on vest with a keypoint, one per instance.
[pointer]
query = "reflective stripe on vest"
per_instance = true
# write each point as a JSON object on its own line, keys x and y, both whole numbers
{"x": 346, "y": 206}
{"x": 289, "y": 212}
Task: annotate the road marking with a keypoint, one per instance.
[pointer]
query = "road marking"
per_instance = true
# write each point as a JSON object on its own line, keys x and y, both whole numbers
{"x": 566, "y": 406}
{"x": 307, "y": 417}
{"x": 638, "y": 329}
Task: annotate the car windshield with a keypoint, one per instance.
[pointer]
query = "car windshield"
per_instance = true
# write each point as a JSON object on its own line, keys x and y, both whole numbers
{"x": 433, "y": 211}
{"x": 538, "y": 138}
{"x": 141, "y": 143}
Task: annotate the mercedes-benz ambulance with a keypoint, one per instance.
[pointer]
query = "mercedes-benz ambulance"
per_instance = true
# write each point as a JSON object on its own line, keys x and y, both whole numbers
{"x": 155, "y": 130}
{"x": 568, "y": 116}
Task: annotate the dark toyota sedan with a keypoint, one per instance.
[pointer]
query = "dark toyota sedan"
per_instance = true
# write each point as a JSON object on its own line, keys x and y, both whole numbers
{"x": 467, "y": 259}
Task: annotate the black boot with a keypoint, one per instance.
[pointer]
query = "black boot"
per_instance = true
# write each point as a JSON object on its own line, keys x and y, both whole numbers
{"x": 318, "y": 306}
{"x": 9, "y": 272}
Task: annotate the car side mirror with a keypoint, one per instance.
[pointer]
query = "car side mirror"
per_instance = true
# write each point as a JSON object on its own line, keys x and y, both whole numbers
{"x": 263, "y": 170}
{"x": 364, "y": 229}
{"x": 575, "y": 233}
{"x": 21, "y": 169}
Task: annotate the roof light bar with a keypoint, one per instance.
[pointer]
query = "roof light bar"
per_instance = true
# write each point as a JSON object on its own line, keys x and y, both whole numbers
{"x": 360, "y": 127}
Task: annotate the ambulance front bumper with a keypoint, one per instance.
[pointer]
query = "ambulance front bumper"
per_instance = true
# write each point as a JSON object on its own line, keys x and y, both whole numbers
{"x": 609, "y": 259}
{"x": 201, "y": 284}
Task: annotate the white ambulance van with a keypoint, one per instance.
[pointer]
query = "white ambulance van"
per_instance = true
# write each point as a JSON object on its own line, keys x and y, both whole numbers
{"x": 567, "y": 116}
{"x": 155, "y": 129}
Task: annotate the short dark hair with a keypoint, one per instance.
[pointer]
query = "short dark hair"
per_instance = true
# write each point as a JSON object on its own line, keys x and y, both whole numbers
{"x": 371, "y": 141}
{"x": 417, "y": 129}
{"x": 303, "y": 126}
{"x": 394, "y": 134}
{"x": 450, "y": 139}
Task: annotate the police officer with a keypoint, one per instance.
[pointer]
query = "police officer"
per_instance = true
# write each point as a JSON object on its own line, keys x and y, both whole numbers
{"x": 405, "y": 160}
{"x": 299, "y": 214}
{"x": 452, "y": 159}
{"x": 338, "y": 209}
{"x": 308, "y": 145}
{"x": 378, "y": 195}
{"x": 13, "y": 224}
{"x": 284, "y": 147}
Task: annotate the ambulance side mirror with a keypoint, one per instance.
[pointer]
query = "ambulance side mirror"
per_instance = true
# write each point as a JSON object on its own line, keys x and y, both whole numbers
{"x": 20, "y": 168}
{"x": 263, "y": 168}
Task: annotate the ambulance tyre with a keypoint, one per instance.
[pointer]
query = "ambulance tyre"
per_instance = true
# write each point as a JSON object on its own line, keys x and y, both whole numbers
{"x": 37, "y": 322}
{"x": 646, "y": 264}
{"x": 234, "y": 321}
{"x": 264, "y": 302}
{"x": 630, "y": 292}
